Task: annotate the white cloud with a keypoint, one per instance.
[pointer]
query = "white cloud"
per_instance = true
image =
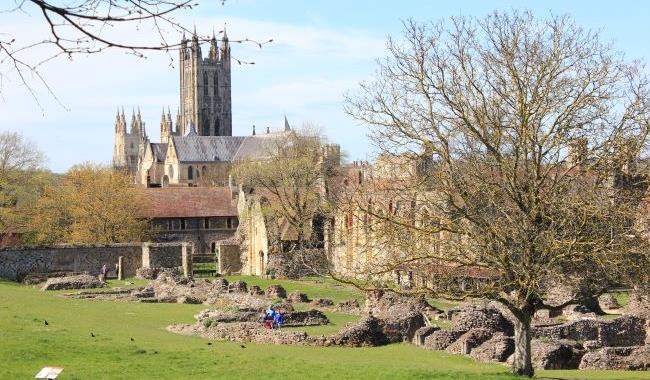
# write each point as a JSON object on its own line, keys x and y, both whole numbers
{"x": 304, "y": 73}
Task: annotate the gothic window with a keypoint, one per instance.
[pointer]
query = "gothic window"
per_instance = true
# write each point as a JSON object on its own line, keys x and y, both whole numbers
{"x": 213, "y": 247}
{"x": 229, "y": 223}
{"x": 206, "y": 127}
{"x": 217, "y": 132}
{"x": 205, "y": 84}
{"x": 190, "y": 172}
{"x": 171, "y": 171}
{"x": 216, "y": 84}
{"x": 183, "y": 224}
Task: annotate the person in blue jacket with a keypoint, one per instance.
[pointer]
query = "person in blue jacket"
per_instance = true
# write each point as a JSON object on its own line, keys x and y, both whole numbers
{"x": 278, "y": 320}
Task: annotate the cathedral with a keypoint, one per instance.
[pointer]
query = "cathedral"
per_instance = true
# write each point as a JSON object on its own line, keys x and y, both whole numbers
{"x": 199, "y": 148}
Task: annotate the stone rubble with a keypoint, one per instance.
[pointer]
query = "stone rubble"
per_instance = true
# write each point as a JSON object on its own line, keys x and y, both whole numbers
{"x": 82, "y": 281}
{"x": 484, "y": 332}
{"x": 276, "y": 291}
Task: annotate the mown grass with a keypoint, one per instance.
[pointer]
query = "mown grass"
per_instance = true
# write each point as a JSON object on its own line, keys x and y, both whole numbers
{"x": 314, "y": 288}
{"x": 623, "y": 298}
{"x": 442, "y": 304}
{"x": 28, "y": 345}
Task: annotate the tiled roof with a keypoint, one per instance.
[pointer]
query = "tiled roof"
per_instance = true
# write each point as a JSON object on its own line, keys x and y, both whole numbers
{"x": 187, "y": 202}
{"x": 195, "y": 148}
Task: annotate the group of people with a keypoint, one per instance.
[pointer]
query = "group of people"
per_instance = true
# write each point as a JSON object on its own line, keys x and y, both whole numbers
{"x": 272, "y": 319}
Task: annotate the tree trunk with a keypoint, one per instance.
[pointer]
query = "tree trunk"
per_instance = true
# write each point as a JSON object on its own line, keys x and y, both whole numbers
{"x": 522, "y": 364}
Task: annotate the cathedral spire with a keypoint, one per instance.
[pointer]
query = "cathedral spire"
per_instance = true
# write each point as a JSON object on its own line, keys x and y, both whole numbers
{"x": 225, "y": 47}
{"x": 287, "y": 127}
{"x": 214, "y": 51}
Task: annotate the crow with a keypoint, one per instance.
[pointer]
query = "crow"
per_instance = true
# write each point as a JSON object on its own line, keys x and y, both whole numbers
{"x": 209, "y": 343}
{"x": 91, "y": 334}
{"x": 242, "y": 346}
{"x": 132, "y": 340}
{"x": 46, "y": 324}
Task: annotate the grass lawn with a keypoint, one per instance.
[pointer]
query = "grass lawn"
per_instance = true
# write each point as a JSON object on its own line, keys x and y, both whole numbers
{"x": 623, "y": 298}
{"x": 28, "y": 344}
{"x": 314, "y": 288}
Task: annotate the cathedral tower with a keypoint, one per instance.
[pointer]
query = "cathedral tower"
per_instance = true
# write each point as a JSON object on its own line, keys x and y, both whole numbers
{"x": 166, "y": 127}
{"x": 205, "y": 88}
{"x": 127, "y": 148}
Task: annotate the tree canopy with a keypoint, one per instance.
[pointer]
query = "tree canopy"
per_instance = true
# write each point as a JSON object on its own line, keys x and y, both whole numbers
{"x": 534, "y": 132}
{"x": 90, "y": 204}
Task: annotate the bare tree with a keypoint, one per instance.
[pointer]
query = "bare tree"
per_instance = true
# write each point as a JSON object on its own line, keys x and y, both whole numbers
{"x": 292, "y": 175}
{"x": 289, "y": 179}
{"x": 92, "y": 26}
{"x": 525, "y": 126}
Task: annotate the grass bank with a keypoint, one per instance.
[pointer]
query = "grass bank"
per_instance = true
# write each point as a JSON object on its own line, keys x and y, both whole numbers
{"x": 131, "y": 343}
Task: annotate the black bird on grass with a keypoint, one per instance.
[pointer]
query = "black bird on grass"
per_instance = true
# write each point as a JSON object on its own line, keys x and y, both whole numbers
{"x": 46, "y": 324}
{"x": 91, "y": 334}
{"x": 242, "y": 346}
{"x": 209, "y": 343}
{"x": 132, "y": 340}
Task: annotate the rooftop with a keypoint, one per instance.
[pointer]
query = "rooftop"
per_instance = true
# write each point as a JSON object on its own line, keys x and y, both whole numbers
{"x": 187, "y": 202}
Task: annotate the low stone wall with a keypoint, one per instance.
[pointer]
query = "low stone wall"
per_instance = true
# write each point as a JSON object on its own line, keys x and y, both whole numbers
{"x": 15, "y": 264}
{"x": 162, "y": 255}
{"x": 229, "y": 258}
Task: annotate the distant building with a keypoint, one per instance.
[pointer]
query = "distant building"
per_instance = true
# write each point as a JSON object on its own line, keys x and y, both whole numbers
{"x": 199, "y": 149}
{"x": 200, "y": 215}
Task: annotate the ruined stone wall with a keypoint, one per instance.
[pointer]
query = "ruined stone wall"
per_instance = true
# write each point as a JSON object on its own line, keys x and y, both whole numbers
{"x": 15, "y": 264}
{"x": 162, "y": 255}
{"x": 229, "y": 258}
{"x": 202, "y": 239}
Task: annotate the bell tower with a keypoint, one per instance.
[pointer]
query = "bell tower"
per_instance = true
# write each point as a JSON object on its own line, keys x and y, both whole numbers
{"x": 205, "y": 87}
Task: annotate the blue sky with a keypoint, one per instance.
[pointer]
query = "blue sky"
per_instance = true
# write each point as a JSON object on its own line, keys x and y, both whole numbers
{"x": 321, "y": 50}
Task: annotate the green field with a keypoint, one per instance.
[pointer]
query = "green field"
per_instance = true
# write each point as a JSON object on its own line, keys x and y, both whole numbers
{"x": 27, "y": 344}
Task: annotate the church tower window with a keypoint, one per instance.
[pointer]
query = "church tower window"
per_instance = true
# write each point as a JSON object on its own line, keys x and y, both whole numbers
{"x": 205, "y": 84}
{"x": 206, "y": 126}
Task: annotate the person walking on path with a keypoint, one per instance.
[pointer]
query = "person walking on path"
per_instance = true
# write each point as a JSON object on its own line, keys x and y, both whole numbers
{"x": 102, "y": 272}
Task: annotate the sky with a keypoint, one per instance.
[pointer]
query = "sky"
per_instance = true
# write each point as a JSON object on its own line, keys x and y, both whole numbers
{"x": 321, "y": 50}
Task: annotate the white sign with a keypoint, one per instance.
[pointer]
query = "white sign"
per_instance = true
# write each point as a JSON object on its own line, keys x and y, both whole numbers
{"x": 49, "y": 373}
